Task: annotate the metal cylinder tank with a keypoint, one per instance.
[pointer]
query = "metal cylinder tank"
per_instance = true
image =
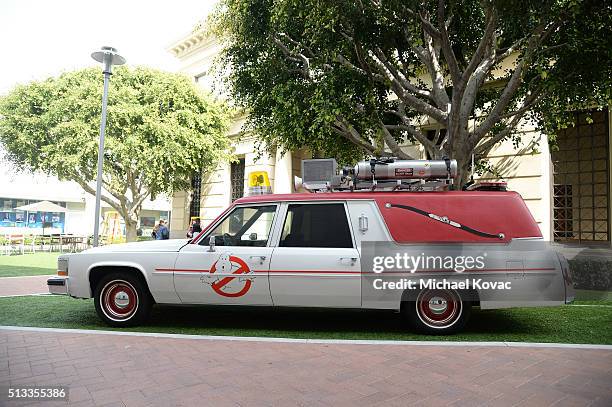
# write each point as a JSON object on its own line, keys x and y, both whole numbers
{"x": 406, "y": 169}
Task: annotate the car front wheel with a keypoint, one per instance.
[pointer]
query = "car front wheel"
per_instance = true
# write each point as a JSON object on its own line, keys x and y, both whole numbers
{"x": 437, "y": 312}
{"x": 121, "y": 300}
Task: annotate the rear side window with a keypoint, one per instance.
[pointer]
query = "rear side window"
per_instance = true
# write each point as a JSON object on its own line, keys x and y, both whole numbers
{"x": 316, "y": 225}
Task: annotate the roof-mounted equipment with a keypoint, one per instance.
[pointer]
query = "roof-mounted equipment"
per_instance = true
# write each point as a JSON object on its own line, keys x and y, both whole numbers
{"x": 387, "y": 173}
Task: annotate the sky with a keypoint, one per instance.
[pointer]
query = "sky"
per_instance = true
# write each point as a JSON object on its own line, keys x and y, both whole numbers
{"x": 46, "y": 37}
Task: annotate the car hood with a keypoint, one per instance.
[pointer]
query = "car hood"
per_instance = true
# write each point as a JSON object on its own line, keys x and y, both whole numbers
{"x": 172, "y": 245}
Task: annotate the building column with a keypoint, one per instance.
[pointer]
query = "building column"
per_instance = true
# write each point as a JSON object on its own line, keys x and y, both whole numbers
{"x": 283, "y": 173}
{"x": 179, "y": 215}
{"x": 547, "y": 185}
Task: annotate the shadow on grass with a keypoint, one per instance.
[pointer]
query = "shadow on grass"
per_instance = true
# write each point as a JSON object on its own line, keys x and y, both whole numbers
{"x": 323, "y": 323}
{"x": 566, "y": 324}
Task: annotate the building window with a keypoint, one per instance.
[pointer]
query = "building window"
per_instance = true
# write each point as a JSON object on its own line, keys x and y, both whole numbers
{"x": 196, "y": 190}
{"x": 205, "y": 81}
{"x": 563, "y": 212}
{"x": 11, "y": 217}
{"x": 581, "y": 191}
{"x": 237, "y": 176}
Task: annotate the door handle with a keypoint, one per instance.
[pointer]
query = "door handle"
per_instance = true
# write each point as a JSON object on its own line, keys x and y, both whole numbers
{"x": 348, "y": 260}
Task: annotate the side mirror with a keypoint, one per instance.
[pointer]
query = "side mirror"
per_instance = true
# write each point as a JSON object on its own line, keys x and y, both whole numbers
{"x": 211, "y": 244}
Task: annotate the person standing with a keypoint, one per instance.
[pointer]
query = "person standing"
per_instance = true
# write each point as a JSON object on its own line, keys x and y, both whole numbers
{"x": 162, "y": 232}
{"x": 194, "y": 229}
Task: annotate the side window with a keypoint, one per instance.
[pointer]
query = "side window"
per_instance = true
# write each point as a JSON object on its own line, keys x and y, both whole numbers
{"x": 316, "y": 225}
{"x": 244, "y": 226}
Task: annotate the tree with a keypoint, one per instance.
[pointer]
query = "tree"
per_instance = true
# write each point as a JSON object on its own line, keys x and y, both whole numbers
{"x": 350, "y": 78}
{"x": 160, "y": 130}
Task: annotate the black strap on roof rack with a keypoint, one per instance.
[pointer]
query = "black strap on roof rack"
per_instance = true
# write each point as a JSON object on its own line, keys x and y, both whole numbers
{"x": 447, "y": 221}
{"x": 448, "y": 171}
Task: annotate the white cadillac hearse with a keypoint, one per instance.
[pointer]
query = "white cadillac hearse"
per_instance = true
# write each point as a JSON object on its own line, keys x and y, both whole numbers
{"x": 309, "y": 250}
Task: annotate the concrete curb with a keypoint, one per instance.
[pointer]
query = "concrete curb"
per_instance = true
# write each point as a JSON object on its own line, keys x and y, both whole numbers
{"x": 309, "y": 341}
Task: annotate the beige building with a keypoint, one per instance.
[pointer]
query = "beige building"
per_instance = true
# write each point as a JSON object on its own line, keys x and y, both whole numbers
{"x": 567, "y": 191}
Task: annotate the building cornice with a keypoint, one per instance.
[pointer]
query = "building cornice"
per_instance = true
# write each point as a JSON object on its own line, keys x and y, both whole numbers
{"x": 195, "y": 40}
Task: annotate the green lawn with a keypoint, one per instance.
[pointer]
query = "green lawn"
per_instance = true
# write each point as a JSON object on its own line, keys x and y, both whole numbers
{"x": 593, "y": 297}
{"x": 31, "y": 264}
{"x": 568, "y": 324}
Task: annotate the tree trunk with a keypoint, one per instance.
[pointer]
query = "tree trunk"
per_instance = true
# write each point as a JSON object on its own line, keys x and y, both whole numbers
{"x": 130, "y": 230}
{"x": 464, "y": 162}
{"x": 131, "y": 223}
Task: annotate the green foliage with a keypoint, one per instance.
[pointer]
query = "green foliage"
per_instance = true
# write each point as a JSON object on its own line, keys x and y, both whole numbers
{"x": 308, "y": 69}
{"x": 160, "y": 129}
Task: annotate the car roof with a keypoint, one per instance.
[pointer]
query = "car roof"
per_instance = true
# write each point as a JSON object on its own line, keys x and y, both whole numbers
{"x": 368, "y": 195}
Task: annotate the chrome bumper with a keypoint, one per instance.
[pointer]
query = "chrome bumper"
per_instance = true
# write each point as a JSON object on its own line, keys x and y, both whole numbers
{"x": 58, "y": 285}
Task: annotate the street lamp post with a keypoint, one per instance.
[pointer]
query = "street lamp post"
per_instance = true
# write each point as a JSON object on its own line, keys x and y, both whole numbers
{"x": 108, "y": 56}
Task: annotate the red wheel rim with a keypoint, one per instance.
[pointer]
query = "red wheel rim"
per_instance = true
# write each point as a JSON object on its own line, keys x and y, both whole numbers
{"x": 438, "y": 308}
{"x": 119, "y": 300}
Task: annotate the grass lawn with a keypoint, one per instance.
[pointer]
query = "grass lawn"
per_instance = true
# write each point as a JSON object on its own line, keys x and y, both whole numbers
{"x": 31, "y": 264}
{"x": 568, "y": 324}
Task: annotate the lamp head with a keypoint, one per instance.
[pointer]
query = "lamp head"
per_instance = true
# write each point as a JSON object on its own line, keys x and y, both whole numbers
{"x": 108, "y": 56}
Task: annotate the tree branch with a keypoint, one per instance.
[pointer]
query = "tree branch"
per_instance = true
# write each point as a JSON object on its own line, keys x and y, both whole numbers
{"x": 295, "y": 57}
{"x": 344, "y": 128}
{"x": 392, "y": 72}
{"x": 511, "y": 87}
{"x": 432, "y": 52}
{"x": 90, "y": 190}
{"x": 392, "y": 144}
{"x": 449, "y": 54}
{"x": 485, "y": 147}
{"x": 403, "y": 94}
{"x": 531, "y": 100}
{"x": 342, "y": 60}
{"x": 485, "y": 41}
{"x": 411, "y": 129}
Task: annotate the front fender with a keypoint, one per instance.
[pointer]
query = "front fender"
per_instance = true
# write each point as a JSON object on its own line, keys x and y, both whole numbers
{"x": 160, "y": 285}
{"x": 117, "y": 264}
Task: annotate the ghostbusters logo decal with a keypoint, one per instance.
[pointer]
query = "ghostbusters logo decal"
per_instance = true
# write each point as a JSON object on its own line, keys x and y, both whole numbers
{"x": 229, "y": 276}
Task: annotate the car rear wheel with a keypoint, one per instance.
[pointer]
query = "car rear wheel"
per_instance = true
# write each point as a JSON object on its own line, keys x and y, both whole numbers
{"x": 437, "y": 312}
{"x": 122, "y": 299}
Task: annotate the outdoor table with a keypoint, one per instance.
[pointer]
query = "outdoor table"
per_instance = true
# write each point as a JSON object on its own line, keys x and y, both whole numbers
{"x": 71, "y": 240}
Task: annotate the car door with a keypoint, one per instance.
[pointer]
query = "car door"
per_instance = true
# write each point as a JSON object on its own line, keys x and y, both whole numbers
{"x": 235, "y": 269}
{"x": 315, "y": 263}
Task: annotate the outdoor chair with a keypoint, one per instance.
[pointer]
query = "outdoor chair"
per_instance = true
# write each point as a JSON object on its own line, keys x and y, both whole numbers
{"x": 15, "y": 243}
{"x": 3, "y": 245}
{"x": 44, "y": 242}
{"x": 55, "y": 242}
{"x": 30, "y": 243}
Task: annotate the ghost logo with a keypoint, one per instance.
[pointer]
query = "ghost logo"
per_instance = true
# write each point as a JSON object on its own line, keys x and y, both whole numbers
{"x": 229, "y": 269}
{"x": 223, "y": 264}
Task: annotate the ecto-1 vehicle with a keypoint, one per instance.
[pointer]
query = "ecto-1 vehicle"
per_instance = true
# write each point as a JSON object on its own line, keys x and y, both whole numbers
{"x": 316, "y": 249}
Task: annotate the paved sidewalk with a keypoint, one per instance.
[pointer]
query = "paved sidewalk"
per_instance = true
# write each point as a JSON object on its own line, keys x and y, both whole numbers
{"x": 23, "y": 285}
{"x": 142, "y": 371}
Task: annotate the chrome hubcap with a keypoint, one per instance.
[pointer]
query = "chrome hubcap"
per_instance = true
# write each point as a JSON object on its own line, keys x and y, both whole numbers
{"x": 122, "y": 300}
{"x": 438, "y": 308}
{"x": 438, "y": 305}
